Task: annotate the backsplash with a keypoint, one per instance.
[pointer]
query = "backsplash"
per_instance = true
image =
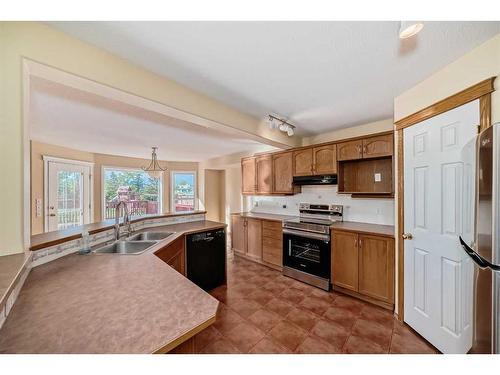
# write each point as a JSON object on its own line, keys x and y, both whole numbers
{"x": 57, "y": 251}
{"x": 377, "y": 211}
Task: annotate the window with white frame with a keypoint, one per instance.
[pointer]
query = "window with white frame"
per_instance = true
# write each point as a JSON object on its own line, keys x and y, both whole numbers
{"x": 183, "y": 191}
{"x": 134, "y": 186}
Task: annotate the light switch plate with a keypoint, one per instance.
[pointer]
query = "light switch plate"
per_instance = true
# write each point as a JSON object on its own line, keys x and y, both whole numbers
{"x": 38, "y": 207}
{"x": 378, "y": 177}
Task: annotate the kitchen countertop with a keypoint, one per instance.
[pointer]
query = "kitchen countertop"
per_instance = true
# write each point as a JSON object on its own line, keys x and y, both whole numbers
{"x": 351, "y": 226}
{"x": 368, "y": 228}
{"x": 109, "y": 303}
{"x": 10, "y": 266}
{"x": 39, "y": 241}
{"x": 265, "y": 216}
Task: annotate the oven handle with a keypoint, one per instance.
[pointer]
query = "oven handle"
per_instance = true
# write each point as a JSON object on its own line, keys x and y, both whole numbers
{"x": 299, "y": 233}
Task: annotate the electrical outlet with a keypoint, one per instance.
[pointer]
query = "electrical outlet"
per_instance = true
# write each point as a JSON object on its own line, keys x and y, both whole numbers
{"x": 378, "y": 177}
{"x": 283, "y": 206}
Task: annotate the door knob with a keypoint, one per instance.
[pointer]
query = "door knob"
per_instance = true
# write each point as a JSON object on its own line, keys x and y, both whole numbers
{"x": 407, "y": 236}
{"x": 52, "y": 214}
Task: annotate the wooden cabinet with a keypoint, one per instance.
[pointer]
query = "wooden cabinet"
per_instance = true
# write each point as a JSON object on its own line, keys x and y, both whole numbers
{"x": 375, "y": 147}
{"x": 345, "y": 260}
{"x": 238, "y": 234}
{"x": 264, "y": 168}
{"x": 350, "y": 150}
{"x": 325, "y": 159}
{"x": 364, "y": 167}
{"x": 282, "y": 166}
{"x": 258, "y": 240}
{"x": 254, "y": 238}
{"x": 248, "y": 176}
{"x": 272, "y": 243}
{"x": 363, "y": 265}
{"x": 303, "y": 162}
{"x": 174, "y": 255}
{"x": 376, "y": 267}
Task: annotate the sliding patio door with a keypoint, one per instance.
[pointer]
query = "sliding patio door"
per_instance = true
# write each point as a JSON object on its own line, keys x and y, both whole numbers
{"x": 67, "y": 194}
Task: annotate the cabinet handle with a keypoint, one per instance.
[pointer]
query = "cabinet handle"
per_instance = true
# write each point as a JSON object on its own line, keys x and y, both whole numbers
{"x": 364, "y": 149}
{"x": 355, "y": 242}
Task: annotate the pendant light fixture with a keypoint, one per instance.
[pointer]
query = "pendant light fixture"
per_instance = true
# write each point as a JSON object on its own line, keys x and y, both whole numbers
{"x": 407, "y": 29}
{"x": 154, "y": 170}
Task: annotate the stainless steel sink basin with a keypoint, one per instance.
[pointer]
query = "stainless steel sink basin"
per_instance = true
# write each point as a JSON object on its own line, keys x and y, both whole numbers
{"x": 149, "y": 236}
{"x": 126, "y": 247}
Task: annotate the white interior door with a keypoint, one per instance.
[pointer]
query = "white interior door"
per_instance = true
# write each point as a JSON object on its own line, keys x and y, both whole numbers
{"x": 68, "y": 195}
{"x": 437, "y": 272}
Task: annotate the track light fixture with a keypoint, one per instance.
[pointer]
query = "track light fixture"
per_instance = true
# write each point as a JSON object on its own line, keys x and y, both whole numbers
{"x": 278, "y": 123}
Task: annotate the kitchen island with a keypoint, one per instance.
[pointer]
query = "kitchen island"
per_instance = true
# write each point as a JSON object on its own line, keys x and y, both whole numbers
{"x": 109, "y": 303}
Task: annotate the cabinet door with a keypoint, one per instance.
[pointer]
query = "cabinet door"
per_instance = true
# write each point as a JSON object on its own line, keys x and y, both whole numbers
{"x": 303, "y": 162}
{"x": 325, "y": 159}
{"x": 178, "y": 262}
{"x": 283, "y": 173}
{"x": 376, "y": 267}
{"x": 238, "y": 234}
{"x": 248, "y": 176}
{"x": 272, "y": 242}
{"x": 254, "y": 238}
{"x": 350, "y": 150}
{"x": 375, "y": 147}
{"x": 264, "y": 165}
{"x": 345, "y": 260}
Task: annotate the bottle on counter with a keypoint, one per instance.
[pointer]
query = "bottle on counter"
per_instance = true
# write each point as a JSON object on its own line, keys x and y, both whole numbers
{"x": 85, "y": 249}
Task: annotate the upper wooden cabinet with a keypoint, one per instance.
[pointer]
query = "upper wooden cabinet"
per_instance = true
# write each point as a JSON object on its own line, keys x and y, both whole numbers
{"x": 350, "y": 150}
{"x": 325, "y": 159}
{"x": 282, "y": 165}
{"x": 303, "y": 162}
{"x": 264, "y": 167}
{"x": 379, "y": 146}
{"x": 248, "y": 176}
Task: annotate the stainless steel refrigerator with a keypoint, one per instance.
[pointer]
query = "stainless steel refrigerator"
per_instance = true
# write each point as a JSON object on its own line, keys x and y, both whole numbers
{"x": 481, "y": 235}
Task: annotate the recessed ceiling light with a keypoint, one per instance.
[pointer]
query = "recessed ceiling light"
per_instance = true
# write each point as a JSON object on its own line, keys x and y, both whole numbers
{"x": 409, "y": 29}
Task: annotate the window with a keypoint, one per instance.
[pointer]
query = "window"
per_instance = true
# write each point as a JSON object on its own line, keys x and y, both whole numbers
{"x": 134, "y": 186}
{"x": 183, "y": 197}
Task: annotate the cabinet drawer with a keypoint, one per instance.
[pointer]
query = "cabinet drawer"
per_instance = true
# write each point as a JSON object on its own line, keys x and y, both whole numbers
{"x": 272, "y": 243}
{"x": 276, "y": 259}
{"x": 275, "y": 234}
{"x": 272, "y": 225}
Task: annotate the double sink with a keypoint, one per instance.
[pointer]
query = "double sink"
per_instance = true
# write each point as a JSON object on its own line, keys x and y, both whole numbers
{"x": 135, "y": 244}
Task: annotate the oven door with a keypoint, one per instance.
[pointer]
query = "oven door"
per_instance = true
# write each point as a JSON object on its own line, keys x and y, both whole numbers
{"x": 306, "y": 251}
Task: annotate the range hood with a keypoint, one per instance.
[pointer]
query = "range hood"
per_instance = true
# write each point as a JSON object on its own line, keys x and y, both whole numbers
{"x": 328, "y": 179}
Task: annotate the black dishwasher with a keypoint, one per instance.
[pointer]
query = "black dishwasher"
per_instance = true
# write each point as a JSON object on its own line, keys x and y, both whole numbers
{"x": 206, "y": 258}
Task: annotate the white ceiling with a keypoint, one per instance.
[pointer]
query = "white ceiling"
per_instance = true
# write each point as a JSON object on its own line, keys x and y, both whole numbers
{"x": 79, "y": 120}
{"x": 321, "y": 75}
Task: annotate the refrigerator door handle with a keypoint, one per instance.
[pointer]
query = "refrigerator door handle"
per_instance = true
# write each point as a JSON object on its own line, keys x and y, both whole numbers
{"x": 478, "y": 259}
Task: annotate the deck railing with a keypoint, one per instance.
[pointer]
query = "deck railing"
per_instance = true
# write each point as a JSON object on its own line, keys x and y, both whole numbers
{"x": 135, "y": 208}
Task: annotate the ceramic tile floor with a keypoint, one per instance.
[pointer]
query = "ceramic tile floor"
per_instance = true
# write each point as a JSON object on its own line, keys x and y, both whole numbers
{"x": 262, "y": 311}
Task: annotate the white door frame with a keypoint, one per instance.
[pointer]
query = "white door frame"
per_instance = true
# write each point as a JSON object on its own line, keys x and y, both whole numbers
{"x": 51, "y": 159}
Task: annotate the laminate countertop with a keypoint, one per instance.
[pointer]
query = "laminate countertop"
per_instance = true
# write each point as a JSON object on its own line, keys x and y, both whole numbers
{"x": 367, "y": 228}
{"x": 109, "y": 303}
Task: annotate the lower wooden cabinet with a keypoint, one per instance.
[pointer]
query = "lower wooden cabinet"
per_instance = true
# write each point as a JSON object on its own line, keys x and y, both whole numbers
{"x": 174, "y": 255}
{"x": 257, "y": 239}
{"x": 345, "y": 260}
{"x": 364, "y": 265}
{"x": 272, "y": 243}
{"x": 238, "y": 234}
{"x": 376, "y": 267}
{"x": 254, "y": 238}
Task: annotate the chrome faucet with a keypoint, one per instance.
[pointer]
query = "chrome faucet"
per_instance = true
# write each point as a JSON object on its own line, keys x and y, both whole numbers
{"x": 126, "y": 219}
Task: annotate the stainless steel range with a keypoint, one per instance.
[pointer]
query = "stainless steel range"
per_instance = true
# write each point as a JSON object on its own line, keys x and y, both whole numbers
{"x": 306, "y": 243}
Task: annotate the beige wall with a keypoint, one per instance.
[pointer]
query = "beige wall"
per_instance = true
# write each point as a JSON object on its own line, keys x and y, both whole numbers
{"x": 481, "y": 63}
{"x": 51, "y": 47}
{"x": 353, "y": 131}
{"x": 100, "y": 160}
{"x": 215, "y": 194}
